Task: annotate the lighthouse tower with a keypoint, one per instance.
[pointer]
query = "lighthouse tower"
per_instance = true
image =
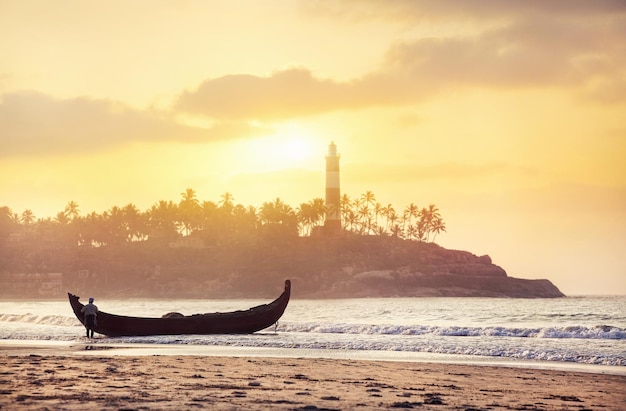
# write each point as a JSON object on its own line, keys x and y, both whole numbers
{"x": 332, "y": 225}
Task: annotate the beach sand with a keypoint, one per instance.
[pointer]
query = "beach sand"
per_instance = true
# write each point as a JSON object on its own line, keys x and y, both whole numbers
{"x": 77, "y": 382}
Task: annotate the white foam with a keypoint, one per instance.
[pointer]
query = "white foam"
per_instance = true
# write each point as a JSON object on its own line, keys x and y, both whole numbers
{"x": 594, "y": 332}
{"x": 39, "y": 319}
{"x": 577, "y": 331}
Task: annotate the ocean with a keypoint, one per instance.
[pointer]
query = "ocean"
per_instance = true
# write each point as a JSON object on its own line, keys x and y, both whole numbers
{"x": 584, "y": 333}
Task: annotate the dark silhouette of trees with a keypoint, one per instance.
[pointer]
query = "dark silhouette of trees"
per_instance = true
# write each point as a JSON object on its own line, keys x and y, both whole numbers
{"x": 71, "y": 210}
{"x": 310, "y": 215}
{"x": 219, "y": 223}
{"x": 28, "y": 217}
{"x": 135, "y": 227}
{"x": 189, "y": 211}
{"x": 8, "y": 226}
{"x": 366, "y": 216}
{"x": 190, "y": 243}
{"x": 227, "y": 202}
{"x": 162, "y": 221}
{"x": 278, "y": 220}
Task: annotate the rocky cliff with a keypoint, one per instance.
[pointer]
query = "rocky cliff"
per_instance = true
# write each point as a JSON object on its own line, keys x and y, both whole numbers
{"x": 390, "y": 267}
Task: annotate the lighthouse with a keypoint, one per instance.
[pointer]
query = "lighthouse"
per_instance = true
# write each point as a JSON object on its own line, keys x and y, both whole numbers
{"x": 332, "y": 225}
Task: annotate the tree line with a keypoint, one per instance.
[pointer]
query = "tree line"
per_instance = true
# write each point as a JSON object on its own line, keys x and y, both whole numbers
{"x": 220, "y": 222}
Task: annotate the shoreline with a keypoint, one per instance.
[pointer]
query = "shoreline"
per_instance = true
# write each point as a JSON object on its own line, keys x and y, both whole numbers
{"x": 94, "y": 348}
{"x": 58, "y": 379}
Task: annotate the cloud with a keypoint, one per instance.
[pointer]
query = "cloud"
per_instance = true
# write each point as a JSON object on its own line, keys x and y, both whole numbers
{"x": 583, "y": 49}
{"x": 573, "y": 45}
{"x": 528, "y": 54}
{"x": 532, "y": 53}
{"x": 437, "y": 10}
{"x": 287, "y": 93}
{"x": 34, "y": 124}
{"x": 586, "y": 55}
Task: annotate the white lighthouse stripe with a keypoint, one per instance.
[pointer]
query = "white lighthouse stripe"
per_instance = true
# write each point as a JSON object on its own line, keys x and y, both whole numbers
{"x": 332, "y": 179}
{"x": 332, "y": 164}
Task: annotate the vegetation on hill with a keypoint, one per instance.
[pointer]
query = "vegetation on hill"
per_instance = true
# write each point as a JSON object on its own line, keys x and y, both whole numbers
{"x": 194, "y": 249}
{"x": 221, "y": 222}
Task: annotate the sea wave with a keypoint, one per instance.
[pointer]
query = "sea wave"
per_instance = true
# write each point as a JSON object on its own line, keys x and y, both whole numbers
{"x": 600, "y": 332}
{"x": 58, "y": 320}
{"x": 576, "y": 344}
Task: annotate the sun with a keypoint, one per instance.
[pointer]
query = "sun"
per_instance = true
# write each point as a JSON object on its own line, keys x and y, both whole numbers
{"x": 290, "y": 145}
{"x": 294, "y": 149}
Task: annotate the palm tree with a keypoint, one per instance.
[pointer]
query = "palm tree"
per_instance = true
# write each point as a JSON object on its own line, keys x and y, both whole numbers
{"x": 437, "y": 227}
{"x": 252, "y": 217}
{"x": 189, "y": 211}
{"x": 304, "y": 213}
{"x": 15, "y": 217}
{"x": 5, "y": 213}
{"x": 345, "y": 204}
{"x": 28, "y": 217}
{"x": 6, "y": 221}
{"x": 365, "y": 218}
{"x": 396, "y": 231}
{"x": 61, "y": 218}
{"x": 356, "y": 204}
{"x": 92, "y": 230}
{"x": 390, "y": 214}
{"x": 115, "y": 226}
{"x": 135, "y": 223}
{"x": 318, "y": 211}
{"x": 433, "y": 216}
{"x": 412, "y": 231}
{"x": 227, "y": 201}
{"x": 310, "y": 215}
{"x": 410, "y": 212}
{"x": 380, "y": 230}
{"x": 209, "y": 213}
{"x": 162, "y": 218}
{"x": 368, "y": 197}
{"x": 379, "y": 210}
{"x": 275, "y": 212}
{"x": 71, "y": 210}
{"x": 278, "y": 219}
{"x": 423, "y": 225}
{"x": 352, "y": 220}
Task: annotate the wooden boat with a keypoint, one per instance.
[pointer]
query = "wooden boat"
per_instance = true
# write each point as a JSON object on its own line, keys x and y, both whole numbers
{"x": 235, "y": 322}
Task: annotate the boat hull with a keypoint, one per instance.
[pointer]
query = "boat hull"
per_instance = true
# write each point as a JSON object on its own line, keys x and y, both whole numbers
{"x": 235, "y": 322}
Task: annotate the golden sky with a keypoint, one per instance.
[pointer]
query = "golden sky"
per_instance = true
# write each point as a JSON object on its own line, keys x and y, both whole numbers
{"x": 509, "y": 116}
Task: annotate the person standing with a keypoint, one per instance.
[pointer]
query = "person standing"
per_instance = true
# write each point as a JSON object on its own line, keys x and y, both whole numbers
{"x": 91, "y": 315}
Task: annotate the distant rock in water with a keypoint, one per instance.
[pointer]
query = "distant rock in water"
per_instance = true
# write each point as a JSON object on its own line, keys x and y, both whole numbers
{"x": 172, "y": 315}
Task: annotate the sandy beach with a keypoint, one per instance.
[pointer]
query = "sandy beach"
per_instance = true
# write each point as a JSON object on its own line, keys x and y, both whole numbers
{"x": 61, "y": 380}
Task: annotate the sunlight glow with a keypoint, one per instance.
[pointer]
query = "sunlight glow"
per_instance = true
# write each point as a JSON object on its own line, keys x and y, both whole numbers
{"x": 295, "y": 149}
{"x": 291, "y": 146}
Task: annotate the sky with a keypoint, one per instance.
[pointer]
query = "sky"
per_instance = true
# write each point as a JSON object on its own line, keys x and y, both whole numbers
{"x": 508, "y": 116}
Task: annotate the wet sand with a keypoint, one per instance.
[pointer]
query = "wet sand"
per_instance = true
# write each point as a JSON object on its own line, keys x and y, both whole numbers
{"x": 75, "y": 382}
